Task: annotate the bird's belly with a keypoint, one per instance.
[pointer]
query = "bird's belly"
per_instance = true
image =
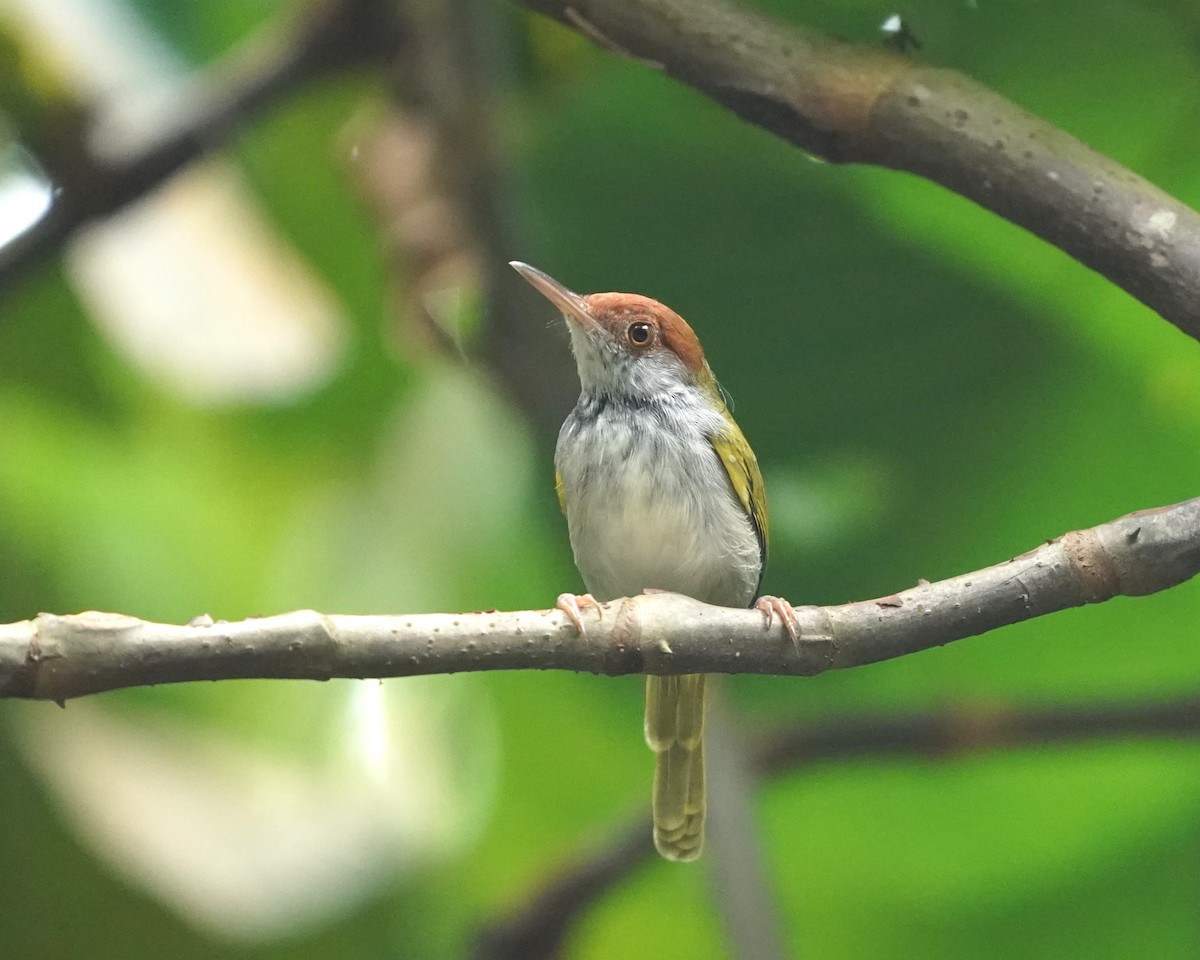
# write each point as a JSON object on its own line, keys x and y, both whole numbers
{"x": 667, "y": 523}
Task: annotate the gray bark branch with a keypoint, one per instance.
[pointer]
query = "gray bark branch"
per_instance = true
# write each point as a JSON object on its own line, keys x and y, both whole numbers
{"x": 58, "y": 657}
{"x": 850, "y": 103}
{"x": 846, "y": 103}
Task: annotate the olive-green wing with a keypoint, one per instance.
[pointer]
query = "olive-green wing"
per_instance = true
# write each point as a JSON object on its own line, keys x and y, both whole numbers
{"x": 742, "y": 467}
{"x": 562, "y": 494}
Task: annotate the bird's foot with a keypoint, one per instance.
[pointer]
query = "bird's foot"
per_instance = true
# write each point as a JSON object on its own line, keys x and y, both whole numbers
{"x": 773, "y": 607}
{"x": 570, "y": 604}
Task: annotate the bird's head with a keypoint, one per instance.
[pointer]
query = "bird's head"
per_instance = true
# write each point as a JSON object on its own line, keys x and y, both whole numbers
{"x": 627, "y": 345}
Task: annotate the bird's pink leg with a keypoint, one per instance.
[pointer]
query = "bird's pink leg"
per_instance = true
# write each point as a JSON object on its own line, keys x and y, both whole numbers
{"x": 773, "y": 607}
{"x": 569, "y": 603}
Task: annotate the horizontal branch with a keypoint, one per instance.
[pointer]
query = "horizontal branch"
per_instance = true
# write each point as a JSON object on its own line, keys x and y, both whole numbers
{"x": 59, "y": 657}
{"x": 851, "y": 103}
{"x": 539, "y": 928}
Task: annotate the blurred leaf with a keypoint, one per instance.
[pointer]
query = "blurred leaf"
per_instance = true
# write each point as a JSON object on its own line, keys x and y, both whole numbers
{"x": 249, "y": 844}
{"x": 201, "y": 32}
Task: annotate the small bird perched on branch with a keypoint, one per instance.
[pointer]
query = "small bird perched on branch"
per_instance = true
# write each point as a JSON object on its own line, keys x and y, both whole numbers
{"x": 661, "y": 492}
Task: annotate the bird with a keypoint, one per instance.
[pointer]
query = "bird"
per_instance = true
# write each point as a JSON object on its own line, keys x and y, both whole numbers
{"x": 662, "y": 493}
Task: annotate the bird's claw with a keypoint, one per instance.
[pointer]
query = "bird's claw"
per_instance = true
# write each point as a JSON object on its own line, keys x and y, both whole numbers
{"x": 773, "y": 607}
{"x": 570, "y": 603}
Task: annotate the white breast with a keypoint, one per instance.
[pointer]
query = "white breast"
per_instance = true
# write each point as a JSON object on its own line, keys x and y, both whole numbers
{"x": 649, "y": 505}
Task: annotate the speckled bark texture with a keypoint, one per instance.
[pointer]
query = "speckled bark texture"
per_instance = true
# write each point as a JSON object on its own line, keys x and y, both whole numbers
{"x": 59, "y": 657}
{"x": 850, "y": 103}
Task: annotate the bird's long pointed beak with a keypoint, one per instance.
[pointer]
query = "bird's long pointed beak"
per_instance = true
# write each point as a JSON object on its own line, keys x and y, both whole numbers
{"x": 572, "y": 305}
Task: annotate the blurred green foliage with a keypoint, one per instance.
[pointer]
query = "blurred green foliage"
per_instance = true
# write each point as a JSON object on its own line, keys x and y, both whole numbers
{"x": 928, "y": 388}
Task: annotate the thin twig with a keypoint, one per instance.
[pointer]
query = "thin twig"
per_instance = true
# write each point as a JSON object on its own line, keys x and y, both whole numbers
{"x": 539, "y": 929}
{"x": 59, "y": 657}
{"x": 331, "y": 35}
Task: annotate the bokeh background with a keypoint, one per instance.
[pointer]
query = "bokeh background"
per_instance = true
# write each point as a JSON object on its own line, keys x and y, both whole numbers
{"x": 298, "y": 376}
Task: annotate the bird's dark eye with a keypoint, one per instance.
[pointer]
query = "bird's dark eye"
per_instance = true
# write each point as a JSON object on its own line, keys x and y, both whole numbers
{"x": 639, "y": 334}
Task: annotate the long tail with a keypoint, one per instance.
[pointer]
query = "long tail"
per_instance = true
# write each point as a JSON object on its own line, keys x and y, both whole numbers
{"x": 675, "y": 732}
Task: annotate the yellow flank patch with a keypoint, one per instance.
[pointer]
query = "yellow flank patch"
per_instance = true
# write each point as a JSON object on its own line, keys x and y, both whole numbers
{"x": 742, "y": 467}
{"x": 562, "y": 494}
